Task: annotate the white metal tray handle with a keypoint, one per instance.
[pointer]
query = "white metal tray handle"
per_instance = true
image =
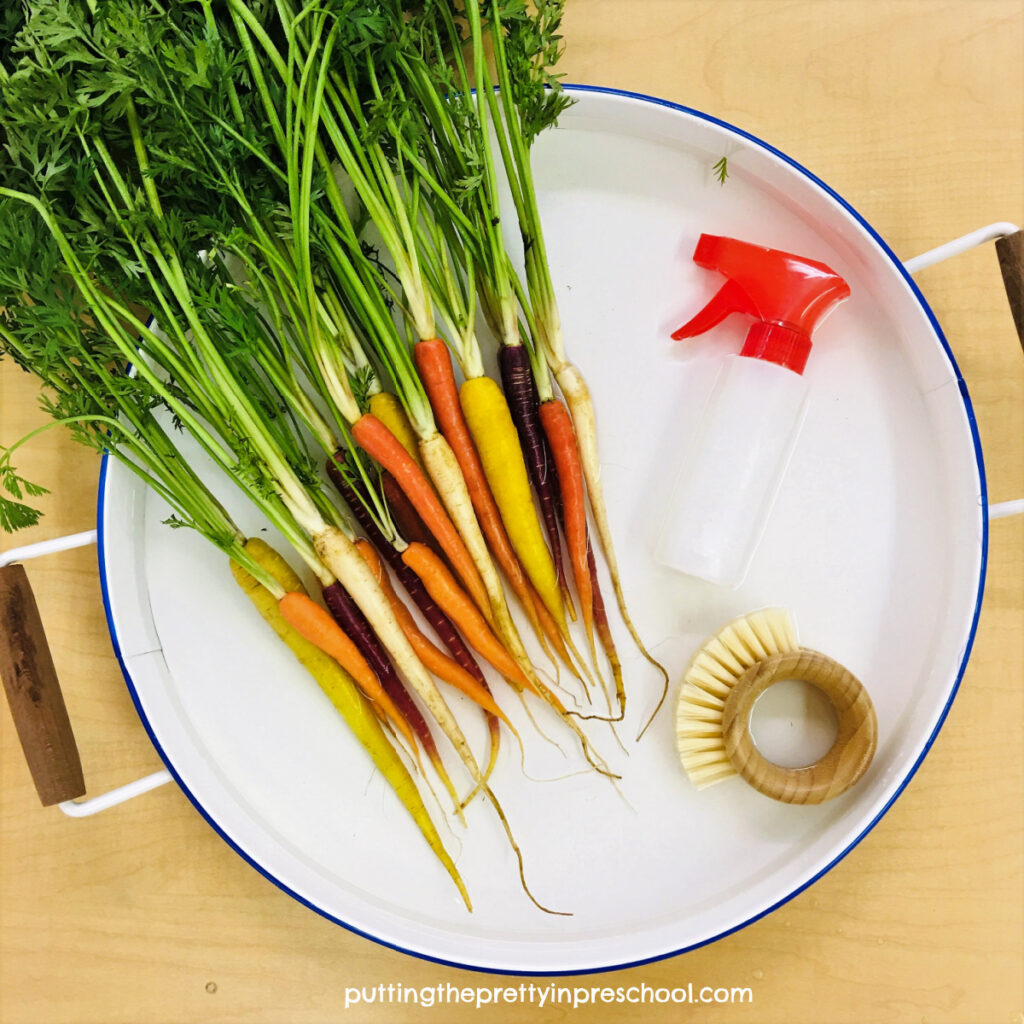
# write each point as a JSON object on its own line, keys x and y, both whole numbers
{"x": 1009, "y": 241}
{"x": 34, "y": 694}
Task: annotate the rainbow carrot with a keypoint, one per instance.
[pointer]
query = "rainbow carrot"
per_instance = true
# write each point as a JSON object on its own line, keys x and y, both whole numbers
{"x": 433, "y": 360}
{"x": 382, "y": 445}
{"x": 561, "y": 438}
{"x": 440, "y": 622}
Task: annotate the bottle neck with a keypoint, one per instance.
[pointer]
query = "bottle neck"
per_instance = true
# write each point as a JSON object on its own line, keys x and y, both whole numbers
{"x": 779, "y": 344}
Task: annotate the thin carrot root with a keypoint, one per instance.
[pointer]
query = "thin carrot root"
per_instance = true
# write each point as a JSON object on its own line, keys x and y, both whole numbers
{"x": 519, "y": 857}
{"x": 589, "y": 676}
{"x": 581, "y": 406}
{"x": 550, "y": 629}
{"x": 536, "y": 724}
{"x": 593, "y": 758}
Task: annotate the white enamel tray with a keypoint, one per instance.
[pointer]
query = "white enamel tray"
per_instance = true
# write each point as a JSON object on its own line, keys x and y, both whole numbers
{"x": 877, "y": 546}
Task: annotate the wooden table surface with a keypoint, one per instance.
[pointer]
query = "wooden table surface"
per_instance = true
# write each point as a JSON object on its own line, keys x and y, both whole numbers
{"x": 914, "y": 111}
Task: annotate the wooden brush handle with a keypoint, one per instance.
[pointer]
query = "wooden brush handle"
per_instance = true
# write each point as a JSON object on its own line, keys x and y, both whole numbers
{"x": 856, "y": 737}
{"x": 33, "y": 692}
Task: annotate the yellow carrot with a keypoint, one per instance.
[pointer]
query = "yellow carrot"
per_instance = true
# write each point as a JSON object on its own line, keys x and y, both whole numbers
{"x": 388, "y": 409}
{"x": 343, "y": 693}
{"x": 497, "y": 441}
{"x": 443, "y": 468}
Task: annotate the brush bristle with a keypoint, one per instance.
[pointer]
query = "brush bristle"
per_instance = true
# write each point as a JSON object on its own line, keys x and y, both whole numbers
{"x": 711, "y": 675}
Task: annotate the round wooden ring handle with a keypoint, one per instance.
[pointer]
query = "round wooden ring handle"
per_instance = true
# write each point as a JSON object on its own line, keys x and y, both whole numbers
{"x": 856, "y": 736}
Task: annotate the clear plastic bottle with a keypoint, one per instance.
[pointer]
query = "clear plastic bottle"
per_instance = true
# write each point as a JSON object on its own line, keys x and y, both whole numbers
{"x": 731, "y": 470}
{"x": 728, "y": 479}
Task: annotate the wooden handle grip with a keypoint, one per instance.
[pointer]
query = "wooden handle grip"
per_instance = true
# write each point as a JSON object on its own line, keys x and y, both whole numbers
{"x": 1010, "y": 251}
{"x": 33, "y": 692}
{"x": 856, "y": 735}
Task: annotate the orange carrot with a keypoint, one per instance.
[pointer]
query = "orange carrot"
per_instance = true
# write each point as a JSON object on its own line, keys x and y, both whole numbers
{"x": 557, "y": 423}
{"x": 454, "y": 602}
{"x": 435, "y": 365}
{"x": 432, "y": 656}
{"x": 382, "y": 445}
{"x": 302, "y": 613}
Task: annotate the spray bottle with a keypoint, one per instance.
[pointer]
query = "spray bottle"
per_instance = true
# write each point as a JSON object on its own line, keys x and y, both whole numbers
{"x": 726, "y": 486}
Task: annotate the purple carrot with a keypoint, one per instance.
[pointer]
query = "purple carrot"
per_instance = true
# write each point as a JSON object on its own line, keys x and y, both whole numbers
{"x": 442, "y": 625}
{"x": 347, "y": 614}
{"x": 524, "y": 404}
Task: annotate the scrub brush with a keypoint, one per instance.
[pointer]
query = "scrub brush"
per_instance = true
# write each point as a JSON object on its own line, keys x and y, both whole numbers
{"x": 712, "y": 673}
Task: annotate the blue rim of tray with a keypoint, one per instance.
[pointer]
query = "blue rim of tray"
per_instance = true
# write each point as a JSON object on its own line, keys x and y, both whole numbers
{"x": 968, "y": 410}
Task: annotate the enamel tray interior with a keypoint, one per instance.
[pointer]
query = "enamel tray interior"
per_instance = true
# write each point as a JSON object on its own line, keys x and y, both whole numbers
{"x": 876, "y": 545}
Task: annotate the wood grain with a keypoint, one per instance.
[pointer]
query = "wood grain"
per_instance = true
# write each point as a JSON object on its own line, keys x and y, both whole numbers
{"x": 143, "y": 915}
{"x": 851, "y": 751}
{"x": 33, "y": 693}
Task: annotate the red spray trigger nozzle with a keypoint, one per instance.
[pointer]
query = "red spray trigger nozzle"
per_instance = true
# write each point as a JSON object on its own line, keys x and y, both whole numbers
{"x": 788, "y": 294}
